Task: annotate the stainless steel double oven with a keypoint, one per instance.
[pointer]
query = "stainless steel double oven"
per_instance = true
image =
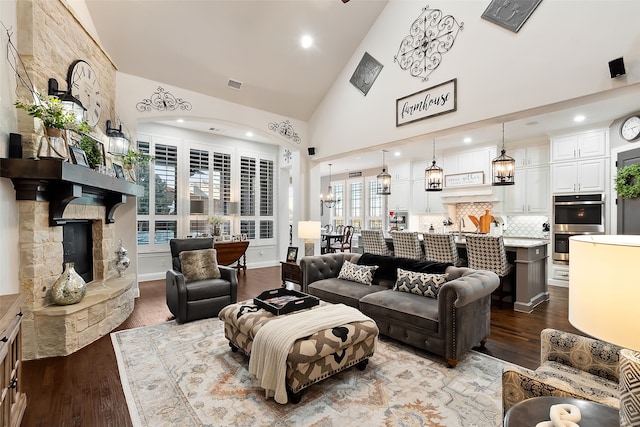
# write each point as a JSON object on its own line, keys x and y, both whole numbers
{"x": 575, "y": 214}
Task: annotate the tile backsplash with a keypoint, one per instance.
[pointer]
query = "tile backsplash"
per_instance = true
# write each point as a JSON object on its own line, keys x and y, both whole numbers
{"x": 530, "y": 226}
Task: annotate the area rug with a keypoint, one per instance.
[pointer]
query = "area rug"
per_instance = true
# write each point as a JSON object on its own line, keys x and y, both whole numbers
{"x": 186, "y": 375}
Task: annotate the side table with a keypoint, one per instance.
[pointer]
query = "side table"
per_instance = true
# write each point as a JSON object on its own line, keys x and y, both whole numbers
{"x": 290, "y": 272}
{"x": 532, "y": 411}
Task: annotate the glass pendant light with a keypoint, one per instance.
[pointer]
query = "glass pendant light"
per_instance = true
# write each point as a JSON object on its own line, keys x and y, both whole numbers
{"x": 384, "y": 179}
{"x": 433, "y": 174}
{"x": 503, "y": 167}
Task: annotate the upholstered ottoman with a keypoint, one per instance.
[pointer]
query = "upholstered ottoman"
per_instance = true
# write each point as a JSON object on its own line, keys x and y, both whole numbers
{"x": 310, "y": 359}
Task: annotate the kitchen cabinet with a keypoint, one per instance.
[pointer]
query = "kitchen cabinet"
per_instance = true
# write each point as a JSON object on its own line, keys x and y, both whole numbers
{"x": 530, "y": 193}
{"x": 399, "y": 198}
{"x": 13, "y": 400}
{"x": 399, "y": 170}
{"x": 580, "y": 146}
{"x": 585, "y": 176}
{"x": 478, "y": 160}
{"x": 425, "y": 202}
{"x": 536, "y": 155}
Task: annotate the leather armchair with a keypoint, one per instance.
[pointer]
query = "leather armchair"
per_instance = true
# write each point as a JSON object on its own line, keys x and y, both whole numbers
{"x": 203, "y": 298}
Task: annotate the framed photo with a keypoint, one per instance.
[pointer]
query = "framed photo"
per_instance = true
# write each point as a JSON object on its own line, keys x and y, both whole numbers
{"x": 292, "y": 254}
{"x": 102, "y": 152}
{"x": 78, "y": 156}
{"x": 366, "y": 73}
{"x": 226, "y": 238}
{"x": 243, "y": 237}
{"x": 119, "y": 171}
{"x": 512, "y": 14}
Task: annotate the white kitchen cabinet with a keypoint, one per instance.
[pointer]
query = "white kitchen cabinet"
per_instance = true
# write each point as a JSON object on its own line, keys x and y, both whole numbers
{"x": 425, "y": 202}
{"x": 399, "y": 198}
{"x": 399, "y": 170}
{"x": 478, "y": 160}
{"x": 530, "y": 193}
{"x": 536, "y": 155}
{"x": 585, "y": 176}
{"x": 580, "y": 146}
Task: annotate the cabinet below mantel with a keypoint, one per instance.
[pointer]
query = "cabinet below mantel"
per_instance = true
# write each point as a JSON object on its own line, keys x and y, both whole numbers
{"x": 13, "y": 401}
{"x": 61, "y": 183}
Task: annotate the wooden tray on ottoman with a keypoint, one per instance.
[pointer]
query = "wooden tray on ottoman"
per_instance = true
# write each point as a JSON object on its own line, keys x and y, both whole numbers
{"x": 283, "y": 301}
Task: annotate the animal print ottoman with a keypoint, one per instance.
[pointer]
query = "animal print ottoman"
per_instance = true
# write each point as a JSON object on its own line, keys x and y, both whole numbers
{"x": 311, "y": 359}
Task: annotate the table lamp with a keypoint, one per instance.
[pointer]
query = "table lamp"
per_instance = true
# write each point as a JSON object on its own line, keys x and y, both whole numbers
{"x": 309, "y": 230}
{"x": 603, "y": 302}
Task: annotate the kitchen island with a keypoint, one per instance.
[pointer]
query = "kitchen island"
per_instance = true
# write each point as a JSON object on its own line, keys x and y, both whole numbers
{"x": 530, "y": 259}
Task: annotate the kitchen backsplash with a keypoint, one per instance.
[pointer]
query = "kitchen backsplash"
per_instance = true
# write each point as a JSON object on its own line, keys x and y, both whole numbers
{"x": 526, "y": 226}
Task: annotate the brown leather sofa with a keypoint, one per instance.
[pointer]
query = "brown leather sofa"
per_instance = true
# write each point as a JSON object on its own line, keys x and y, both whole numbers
{"x": 449, "y": 326}
{"x": 199, "y": 299}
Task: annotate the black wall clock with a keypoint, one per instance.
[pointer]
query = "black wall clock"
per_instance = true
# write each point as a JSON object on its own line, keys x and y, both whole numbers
{"x": 83, "y": 83}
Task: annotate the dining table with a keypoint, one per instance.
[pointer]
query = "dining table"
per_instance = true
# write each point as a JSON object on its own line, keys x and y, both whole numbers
{"x": 327, "y": 239}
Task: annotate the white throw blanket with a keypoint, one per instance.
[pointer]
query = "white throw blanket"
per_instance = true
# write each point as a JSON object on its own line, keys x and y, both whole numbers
{"x": 272, "y": 343}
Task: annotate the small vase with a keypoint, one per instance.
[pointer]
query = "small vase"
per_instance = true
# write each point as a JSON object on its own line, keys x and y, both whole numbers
{"x": 70, "y": 287}
{"x": 216, "y": 230}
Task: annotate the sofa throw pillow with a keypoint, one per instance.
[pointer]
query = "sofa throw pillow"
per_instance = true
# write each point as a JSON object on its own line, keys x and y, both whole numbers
{"x": 357, "y": 273}
{"x": 424, "y": 284}
{"x": 201, "y": 264}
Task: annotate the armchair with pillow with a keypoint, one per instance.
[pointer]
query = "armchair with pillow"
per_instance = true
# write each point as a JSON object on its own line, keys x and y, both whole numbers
{"x": 570, "y": 366}
{"x": 197, "y": 287}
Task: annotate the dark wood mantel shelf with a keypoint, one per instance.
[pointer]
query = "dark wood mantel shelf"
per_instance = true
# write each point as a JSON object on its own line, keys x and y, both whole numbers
{"x": 61, "y": 183}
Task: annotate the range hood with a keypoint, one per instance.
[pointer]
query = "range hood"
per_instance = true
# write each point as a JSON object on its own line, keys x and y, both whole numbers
{"x": 475, "y": 193}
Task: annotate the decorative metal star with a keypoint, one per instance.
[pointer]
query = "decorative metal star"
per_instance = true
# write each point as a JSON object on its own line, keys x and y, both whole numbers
{"x": 430, "y": 36}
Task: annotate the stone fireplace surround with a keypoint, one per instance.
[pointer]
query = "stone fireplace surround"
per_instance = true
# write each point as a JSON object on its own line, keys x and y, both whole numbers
{"x": 51, "y": 330}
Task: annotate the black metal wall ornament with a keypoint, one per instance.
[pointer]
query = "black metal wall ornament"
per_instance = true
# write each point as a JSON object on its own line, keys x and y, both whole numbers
{"x": 431, "y": 35}
{"x": 287, "y": 155}
{"x": 285, "y": 129}
{"x": 162, "y": 100}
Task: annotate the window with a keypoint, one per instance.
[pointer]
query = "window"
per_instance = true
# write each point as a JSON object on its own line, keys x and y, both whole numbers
{"x": 166, "y": 179}
{"x": 355, "y": 204}
{"x": 374, "y": 217}
{"x": 338, "y": 191}
{"x": 256, "y": 190}
{"x": 221, "y": 182}
{"x": 247, "y": 186}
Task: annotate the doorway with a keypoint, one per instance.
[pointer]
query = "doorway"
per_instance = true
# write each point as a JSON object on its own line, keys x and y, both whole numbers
{"x": 627, "y": 209}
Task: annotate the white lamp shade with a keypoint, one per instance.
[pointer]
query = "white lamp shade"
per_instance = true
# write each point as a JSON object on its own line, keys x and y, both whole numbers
{"x": 604, "y": 293}
{"x": 309, "y": 229}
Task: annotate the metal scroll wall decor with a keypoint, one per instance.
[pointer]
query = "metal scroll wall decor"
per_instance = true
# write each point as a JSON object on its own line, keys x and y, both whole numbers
{"x": 431, "y": 35}
{"x": 285, "y": 129}
{"x": 162, "y": 100}
{"x": 287, "y": 155}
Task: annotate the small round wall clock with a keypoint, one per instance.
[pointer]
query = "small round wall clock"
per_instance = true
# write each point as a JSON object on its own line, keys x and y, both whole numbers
{"x": 630, "y": 129}
{"x": 83, "y": 83}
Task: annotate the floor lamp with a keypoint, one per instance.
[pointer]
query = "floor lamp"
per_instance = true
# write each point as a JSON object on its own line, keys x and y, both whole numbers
{"x": 602, "y": 279}
{"x": 309, "y": 230}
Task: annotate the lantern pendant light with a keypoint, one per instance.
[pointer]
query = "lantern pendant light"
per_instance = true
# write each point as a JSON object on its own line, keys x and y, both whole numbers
{"x": 433, "y": 174}
{"x": 503, "y": 167}
{"x": 384, "y": 179}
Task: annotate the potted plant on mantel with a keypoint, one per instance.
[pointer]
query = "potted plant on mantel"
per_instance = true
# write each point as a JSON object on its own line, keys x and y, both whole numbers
{"x": 132, "y": 159}
{"x": 55, "y": 120}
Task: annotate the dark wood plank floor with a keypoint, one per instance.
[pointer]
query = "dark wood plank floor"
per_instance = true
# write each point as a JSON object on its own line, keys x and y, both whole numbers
{"x": 83, "y": 389}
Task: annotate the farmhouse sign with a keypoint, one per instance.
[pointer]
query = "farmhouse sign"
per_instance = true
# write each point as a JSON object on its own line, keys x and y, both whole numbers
{"x": 436, "y": 100}
{"x": 464, "y": 179}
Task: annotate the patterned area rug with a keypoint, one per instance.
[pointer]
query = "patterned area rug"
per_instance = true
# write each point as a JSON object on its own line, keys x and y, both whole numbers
{"x": 186, "y": 375}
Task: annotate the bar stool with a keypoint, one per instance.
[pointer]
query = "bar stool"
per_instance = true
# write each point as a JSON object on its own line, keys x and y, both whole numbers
{"x": 374, "y": 243}
{"x": 406, "y": 244}
{"x": 488, "y": 253}
{"x": 441, "y": 248}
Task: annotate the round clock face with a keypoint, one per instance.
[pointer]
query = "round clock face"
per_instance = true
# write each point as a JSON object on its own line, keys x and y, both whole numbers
{"x": 630, "y": 128}
{"x": 83, "y": 82}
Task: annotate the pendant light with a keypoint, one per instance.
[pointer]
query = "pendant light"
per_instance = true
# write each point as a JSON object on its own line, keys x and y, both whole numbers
{"x": 433, "y": 174}
{"x": 503, "y": 167}
{"x": 329, "y": 200}
{"x": 384, "y": 179}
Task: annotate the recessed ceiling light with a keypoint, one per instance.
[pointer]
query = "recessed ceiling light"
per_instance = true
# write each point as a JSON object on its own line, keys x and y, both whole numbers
{"x": 397, "y": 154}
{"x": 578, "y": 118}
{"x": 180, "y": 120}
{"x": 249, "y": 134}
{"x": 306, "y": 41}
{"x": 467, "y": 140}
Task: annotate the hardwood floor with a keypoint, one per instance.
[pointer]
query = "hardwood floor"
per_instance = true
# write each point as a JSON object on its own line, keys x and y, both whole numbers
{"x": 83, "y": 389}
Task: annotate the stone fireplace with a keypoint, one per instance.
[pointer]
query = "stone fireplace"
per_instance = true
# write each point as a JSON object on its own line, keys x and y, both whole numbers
{"x": 62, "y": 193}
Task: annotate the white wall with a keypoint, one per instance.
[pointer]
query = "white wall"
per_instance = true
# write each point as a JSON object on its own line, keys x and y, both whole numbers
{"x": 561, "y": 53}
{"x": 9, "y": 248}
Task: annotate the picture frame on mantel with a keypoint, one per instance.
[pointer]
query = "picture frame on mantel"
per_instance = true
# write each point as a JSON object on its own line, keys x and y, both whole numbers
{"x": 510, "y": 15}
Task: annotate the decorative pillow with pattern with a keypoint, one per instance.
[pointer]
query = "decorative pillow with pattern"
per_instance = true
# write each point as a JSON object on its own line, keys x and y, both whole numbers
{"x": 200, "y": 264}
{"x": 424, "y": 284}
{"x": 357, "y": 273}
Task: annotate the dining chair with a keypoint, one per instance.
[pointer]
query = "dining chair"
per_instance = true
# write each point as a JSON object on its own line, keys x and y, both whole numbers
{"x": 345, "y": 243}
{"x": 488, "y": 253}
{"x": 373, "y": 242}
{"x": 406, "y": 244}
{"x": 441, "y": 248}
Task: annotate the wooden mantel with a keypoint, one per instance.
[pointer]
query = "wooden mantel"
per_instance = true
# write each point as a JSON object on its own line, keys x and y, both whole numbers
{"x": 61, "y": 183}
